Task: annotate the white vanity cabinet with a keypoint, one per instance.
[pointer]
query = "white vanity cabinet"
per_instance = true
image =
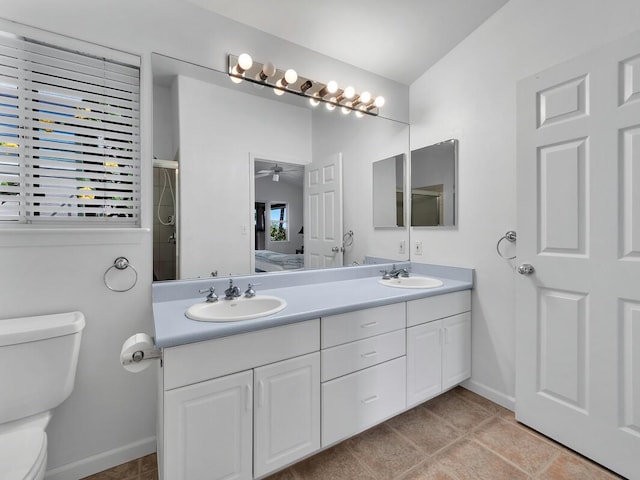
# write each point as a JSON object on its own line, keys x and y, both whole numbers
{"x": 438, "y": 344}
{"x": 246, "y": 424}
{"x": 363, "y": 370}
{"x": 244, "y": 406}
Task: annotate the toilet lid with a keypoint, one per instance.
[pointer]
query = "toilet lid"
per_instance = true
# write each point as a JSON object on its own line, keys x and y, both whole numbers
{"x": 21, "y": 452}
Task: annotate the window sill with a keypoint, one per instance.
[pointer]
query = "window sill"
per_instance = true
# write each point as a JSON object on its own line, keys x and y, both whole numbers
{"x": 30, "y": 236}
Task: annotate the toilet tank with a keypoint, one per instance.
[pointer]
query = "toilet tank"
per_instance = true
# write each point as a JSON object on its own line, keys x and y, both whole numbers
{"x": 38, "y": 359}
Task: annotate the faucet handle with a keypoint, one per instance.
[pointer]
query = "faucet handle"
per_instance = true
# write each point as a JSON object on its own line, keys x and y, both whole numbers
{"x": 385, "y": 274}
{"x": 211, "y": 297}
{"x": 250, "y": 292}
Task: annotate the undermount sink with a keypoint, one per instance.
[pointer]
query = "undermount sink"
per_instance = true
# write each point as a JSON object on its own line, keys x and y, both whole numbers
{"x": 241, "y": 308}
{"x": 412, "y": 282}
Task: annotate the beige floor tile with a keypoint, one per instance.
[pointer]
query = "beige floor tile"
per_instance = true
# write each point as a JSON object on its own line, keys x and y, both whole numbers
{"x": 430, "y": 471}
{"x": 149, "y": 463}
{"x": 468, "y": 460}
{"x": 488, "y": 405}
{"x": 385, "y": 452}
{"x": 287, "y": 474}
{"x": 335, "y": 463}
{"x": 461, "y": 413}
{"x": 569, "y": 466}
{"x": 126, "y": 471}
{"x": 516, "y": 444}
{"x": 424, "y": 429}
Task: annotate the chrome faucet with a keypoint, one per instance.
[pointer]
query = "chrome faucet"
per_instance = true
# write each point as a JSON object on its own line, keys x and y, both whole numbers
{"x": 231, "y": 292}
{"x": 398, "y": 272}
{"x": 211, "y": 297}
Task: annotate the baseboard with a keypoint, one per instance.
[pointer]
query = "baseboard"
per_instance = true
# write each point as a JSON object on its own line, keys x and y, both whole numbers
{"x": 489, "y": 393}
{"x": 103, "y": 461}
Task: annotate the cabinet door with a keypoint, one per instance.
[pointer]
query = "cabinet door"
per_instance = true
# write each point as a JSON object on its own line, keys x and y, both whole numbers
{"x": 208, "y": 432}
{"x": 287, "y": 412}
{"x": 424, "y": 362}
{"x": 456, "y": 349}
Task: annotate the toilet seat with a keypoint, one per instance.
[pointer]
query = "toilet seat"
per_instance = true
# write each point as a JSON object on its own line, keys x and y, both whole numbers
{"x": 23, "y": 454}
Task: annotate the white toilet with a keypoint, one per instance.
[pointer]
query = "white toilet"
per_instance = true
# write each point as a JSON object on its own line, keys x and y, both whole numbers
{"x": 38, "y": 359}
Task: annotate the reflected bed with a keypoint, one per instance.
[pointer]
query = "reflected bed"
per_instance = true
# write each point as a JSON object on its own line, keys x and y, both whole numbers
{"x": 268, "y": 261}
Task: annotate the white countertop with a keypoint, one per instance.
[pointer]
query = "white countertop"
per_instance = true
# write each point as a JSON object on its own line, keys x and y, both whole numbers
{"x": 334, "y": 291}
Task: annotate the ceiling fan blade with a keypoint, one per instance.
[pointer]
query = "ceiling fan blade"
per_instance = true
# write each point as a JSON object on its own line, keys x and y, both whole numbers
{"x": 260, "y": 175}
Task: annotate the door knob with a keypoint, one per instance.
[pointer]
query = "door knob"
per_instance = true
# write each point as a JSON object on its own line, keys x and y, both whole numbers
{"x": 525, "y": 269}
{"x": 335, "y": 249}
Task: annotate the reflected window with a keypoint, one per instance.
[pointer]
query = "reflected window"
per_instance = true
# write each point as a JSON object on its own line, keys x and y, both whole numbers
{"x": 279, "y": 227}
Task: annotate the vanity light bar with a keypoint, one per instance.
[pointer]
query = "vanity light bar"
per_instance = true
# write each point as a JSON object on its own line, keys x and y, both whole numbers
{"x": 243, "y": 67}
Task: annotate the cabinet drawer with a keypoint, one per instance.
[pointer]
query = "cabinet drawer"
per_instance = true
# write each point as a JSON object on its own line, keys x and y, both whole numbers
{"x": 350, "y": 357}
{"x": 195, "y": 362}
{"x": 355, "y": 402}
{"x": 347, "y": 327}
{"x": 432, "y": 308}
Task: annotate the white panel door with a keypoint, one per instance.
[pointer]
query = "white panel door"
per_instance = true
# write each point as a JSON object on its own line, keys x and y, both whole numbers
{"x": 578, "y": 313}
{"x": 424, "y": 362}
{"x": 287, "y": 412}
{"x": 323, "y": 213}
{"x": 208, "y": 430}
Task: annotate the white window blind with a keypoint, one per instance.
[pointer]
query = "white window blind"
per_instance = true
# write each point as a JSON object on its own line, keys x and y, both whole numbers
{"x": 69, "y": 136}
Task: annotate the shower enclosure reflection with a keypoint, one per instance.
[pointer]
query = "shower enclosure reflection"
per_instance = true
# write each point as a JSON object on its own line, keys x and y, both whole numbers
{"x": 165, "y": 233}
{"x": 433, "y": 185}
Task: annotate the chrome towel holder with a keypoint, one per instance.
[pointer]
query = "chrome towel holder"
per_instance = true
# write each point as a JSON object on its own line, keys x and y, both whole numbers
{"x": 120, "y": 263}
{"x": 510, "y": 236}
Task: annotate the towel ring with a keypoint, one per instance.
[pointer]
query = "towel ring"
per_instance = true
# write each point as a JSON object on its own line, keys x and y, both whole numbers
{"x": 510, "y": 236}
{"x": 120, "y": 263}
{"x": 347, "y": 240}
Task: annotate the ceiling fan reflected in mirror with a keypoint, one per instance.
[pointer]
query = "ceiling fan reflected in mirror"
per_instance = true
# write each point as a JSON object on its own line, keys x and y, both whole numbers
{"x": 275, "y": 172}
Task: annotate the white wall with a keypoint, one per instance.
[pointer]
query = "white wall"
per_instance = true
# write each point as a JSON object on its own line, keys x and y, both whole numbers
{"x": 109, "y": 418}
{"x": 215, "y": 169}
{"x": 470, "y": 95}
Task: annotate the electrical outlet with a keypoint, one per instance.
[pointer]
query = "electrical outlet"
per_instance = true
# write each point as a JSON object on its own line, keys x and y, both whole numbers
{"x": 417, "y": 248}
{"x": 401, "y": 247}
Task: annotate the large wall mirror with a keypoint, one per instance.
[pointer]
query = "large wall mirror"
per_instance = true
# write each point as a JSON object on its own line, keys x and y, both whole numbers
{"x": 221, "y": 140}
{"x": 433, "y": 185}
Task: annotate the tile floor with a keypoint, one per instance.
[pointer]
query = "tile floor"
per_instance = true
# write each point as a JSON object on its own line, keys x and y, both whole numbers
{"x": 456, "y": 436}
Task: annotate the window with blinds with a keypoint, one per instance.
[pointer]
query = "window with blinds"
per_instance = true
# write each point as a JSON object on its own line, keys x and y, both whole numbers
{"x": 69, "y": 136}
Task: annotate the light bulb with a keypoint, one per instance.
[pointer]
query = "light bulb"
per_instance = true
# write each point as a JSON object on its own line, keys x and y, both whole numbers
{"x": 234, "y": 71}
{"x": 349, "y": 92}
{"x": 365, "y": 97}
{"x": 313, "y": 101}
{"x": 346, "y": 109}
{"x": 268, "y": 70}
{"x": 379, "y": 101}
{"x": 245, "y": 62}
{"x": 290, "y": 76}
{"x": 331, "y": 106}
{"x": 277, "y": 91}
{"x": 276, "y": 177}
{"x": 359, "y": 114}
{"x": 331, "y": 87}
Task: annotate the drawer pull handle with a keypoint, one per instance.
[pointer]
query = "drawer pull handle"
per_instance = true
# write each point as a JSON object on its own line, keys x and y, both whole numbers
{"x": 370, "y": 399}
{"x": 370, "y": 354}
{"x": 370, "y": 324}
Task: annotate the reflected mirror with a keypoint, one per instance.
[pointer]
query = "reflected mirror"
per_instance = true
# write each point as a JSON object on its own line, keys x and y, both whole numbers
{"x": 433, "y": 185}
{"x": 388, "y": 192}
{"x": 216, "y": 132}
